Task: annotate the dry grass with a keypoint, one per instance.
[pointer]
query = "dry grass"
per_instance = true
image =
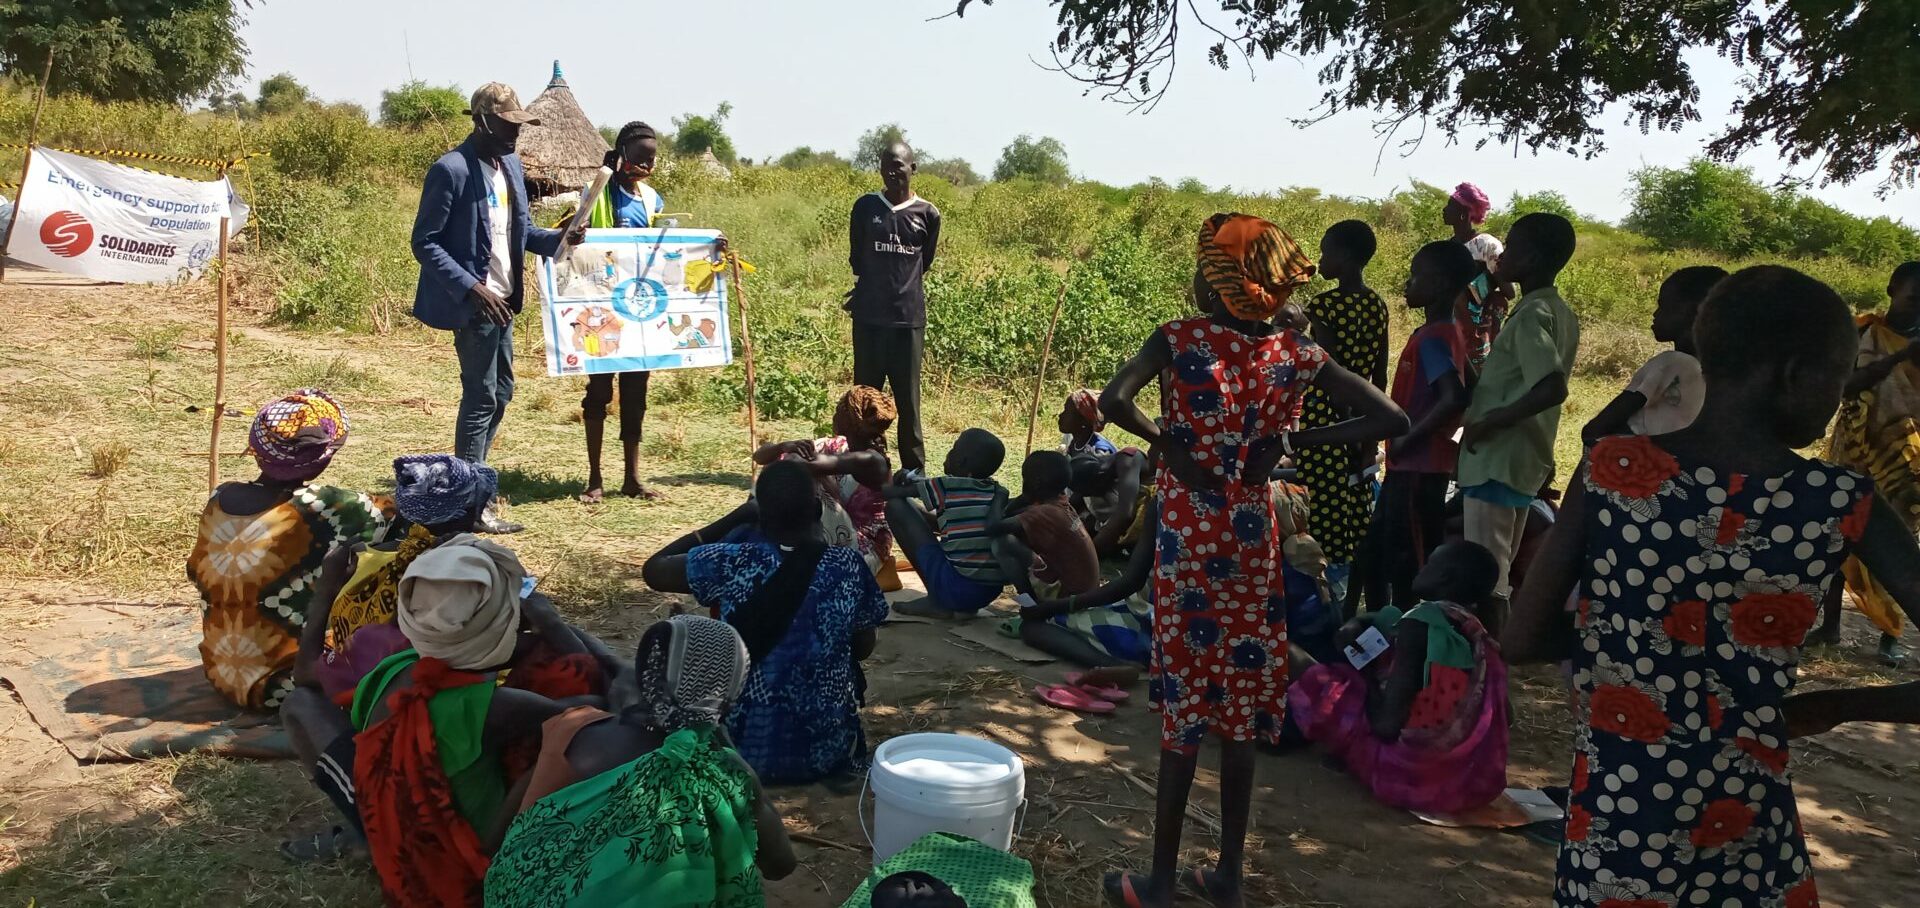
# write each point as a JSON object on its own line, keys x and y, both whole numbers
{"x": 108, "y": 458}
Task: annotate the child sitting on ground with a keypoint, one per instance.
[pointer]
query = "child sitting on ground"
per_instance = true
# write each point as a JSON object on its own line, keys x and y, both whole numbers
{"x": 1041, "y": 545}
{"x": 1664, "y": 396}
{"x": 1113, "y": 491}
{"x": 1424, "y": 724}
{"x": 947, "y": 542}
{"x": 1080, "y": 425}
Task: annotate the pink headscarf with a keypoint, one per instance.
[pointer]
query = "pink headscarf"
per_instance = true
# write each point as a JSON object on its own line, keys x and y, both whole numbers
{"x": 1473, "y": 200}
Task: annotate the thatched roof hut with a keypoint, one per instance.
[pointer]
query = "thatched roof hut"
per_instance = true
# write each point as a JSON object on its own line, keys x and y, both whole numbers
{"x": 561, "y": 154}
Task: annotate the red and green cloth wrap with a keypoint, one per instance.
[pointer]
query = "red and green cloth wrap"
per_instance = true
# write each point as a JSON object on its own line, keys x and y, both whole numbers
{"x": 424, "y": 782}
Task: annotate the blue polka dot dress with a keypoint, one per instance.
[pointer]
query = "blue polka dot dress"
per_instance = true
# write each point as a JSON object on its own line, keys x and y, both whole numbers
{"x": 1699, "y": 589}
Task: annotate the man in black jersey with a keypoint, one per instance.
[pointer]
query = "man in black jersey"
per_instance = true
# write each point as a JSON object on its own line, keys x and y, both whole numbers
{"x": 893, "y": 234}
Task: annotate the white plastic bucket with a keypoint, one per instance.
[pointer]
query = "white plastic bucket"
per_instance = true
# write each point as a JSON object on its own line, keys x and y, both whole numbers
{"x": 936, "y": 782}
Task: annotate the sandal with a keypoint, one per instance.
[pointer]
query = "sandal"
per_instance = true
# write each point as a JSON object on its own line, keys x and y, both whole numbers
{"x": 1123, "y": 889}
{"x": 1198, "y": 882}
{"x": 325, "y": 847}
{"x": 1107, "y": 692}
{"x": 1010, "y": 628}
{"x": 1067, "y": 697}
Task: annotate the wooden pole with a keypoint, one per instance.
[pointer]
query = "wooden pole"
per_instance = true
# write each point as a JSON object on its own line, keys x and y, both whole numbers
{"x": 219, "y": 365}
{"x": 746, "y": 353}
{"x": 33, "y": 135}
{"x": 1046, "y": 352}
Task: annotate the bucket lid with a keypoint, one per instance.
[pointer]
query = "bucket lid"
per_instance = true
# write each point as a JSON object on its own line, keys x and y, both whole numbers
{"x": 954, "y": 768}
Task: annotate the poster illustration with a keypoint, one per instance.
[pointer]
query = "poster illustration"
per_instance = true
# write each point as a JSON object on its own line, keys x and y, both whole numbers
{"x": 628, "y": 300}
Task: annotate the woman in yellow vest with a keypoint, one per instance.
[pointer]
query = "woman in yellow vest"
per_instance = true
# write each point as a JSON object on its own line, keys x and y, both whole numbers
{"x": 627, "y": 202}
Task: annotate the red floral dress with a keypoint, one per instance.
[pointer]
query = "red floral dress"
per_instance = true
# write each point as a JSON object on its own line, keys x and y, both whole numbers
{"x": 1699, "y": 590}
{"x": 1220, "y": 614}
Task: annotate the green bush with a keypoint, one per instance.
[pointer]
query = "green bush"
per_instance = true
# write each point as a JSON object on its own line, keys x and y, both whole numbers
{"x": 335, "y": 200}
{"x": 778, "y": 393}
{"x": 1722, "y": 209}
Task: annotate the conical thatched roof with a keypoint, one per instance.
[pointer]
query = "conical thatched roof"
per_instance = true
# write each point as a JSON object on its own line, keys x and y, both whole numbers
{"x": 561, "y": 153}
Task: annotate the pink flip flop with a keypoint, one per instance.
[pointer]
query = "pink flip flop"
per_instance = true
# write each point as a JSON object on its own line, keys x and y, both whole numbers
{"x": 1061, "y": 696}
{"x": 1108, "y": 693}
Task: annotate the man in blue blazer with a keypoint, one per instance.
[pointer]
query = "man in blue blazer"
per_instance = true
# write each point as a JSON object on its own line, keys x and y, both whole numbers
{"x": 471, "y": 237}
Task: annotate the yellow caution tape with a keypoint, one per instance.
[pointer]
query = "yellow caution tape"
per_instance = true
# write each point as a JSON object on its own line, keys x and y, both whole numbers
{"x": 149, "y": 156}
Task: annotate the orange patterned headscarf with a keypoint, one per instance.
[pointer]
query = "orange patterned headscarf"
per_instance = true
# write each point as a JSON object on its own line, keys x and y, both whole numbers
{"x": 1253, "y": 265}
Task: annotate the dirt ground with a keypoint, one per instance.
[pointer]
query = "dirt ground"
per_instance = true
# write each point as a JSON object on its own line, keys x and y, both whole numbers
{"x": 82, "y": 368}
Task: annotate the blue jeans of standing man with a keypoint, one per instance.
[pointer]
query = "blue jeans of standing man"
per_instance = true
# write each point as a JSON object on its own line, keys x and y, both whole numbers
{"x": 486, "y": 385}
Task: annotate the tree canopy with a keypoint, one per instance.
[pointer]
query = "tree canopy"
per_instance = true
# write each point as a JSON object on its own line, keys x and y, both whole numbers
{"x": 874, "y": 143}
{"x": 805, "y": 156}
{"x": 1723, "y": 209}
{"x": 954, "y": 170}
{"x": 1828, "y": 83}
{"x": 416, "y": 104}
{"x": 694, "y": 134}
{"x": 1043, "y": 160}
{"x": 126, "y": 50}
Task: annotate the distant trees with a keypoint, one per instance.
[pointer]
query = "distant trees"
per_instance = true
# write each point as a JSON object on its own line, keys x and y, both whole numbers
{"x": 1723, "y": 209}
{"x": 416, "y": 104}
{"x": 278, "y": 94}
{"x": 125, "y": 50}
{"x": 954, "y": 170}
{"x": 1547, "y": 201}
{"x": 1042, "y": 160}
{"x": 874, "y": 143}
{"x": 805, "y": 156}
{"x": 694, "y": 135}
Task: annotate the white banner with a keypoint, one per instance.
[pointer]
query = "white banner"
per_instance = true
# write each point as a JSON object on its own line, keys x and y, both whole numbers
{"x": 111, "y": 222}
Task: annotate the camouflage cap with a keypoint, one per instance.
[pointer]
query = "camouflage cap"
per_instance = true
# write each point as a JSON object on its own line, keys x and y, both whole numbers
{"x": 502, "y": 101}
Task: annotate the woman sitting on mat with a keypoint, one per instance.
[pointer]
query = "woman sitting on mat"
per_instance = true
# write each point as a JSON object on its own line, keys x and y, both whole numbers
{"x": 1423, "y": 724}
{"x": 852, "y": 468}
{"x": 807, "y": 611}
{"x": 261, "y": 543}
{"x": 650, "y": 807}
{"x": 1113, "y": 491}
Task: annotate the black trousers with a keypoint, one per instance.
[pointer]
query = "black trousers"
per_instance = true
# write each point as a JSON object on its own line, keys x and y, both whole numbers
{"x": 1408, "y": 524}
{"x": 882, "y": 355}
{"x": 633, "y": 401}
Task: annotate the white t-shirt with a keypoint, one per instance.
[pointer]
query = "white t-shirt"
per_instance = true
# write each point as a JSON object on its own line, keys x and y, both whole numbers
{"x": 499, "y": 223}
{"x": 1486, "y": 249}
{"x": 1674, "y": 390}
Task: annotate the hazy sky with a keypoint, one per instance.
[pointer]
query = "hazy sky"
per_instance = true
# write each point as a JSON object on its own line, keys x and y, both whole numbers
{"x": 819, "y": 72}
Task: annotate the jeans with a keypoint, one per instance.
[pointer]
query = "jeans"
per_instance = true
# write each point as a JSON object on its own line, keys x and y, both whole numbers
{"x": 883, "y": 354}
{"x": 486, "y": 385}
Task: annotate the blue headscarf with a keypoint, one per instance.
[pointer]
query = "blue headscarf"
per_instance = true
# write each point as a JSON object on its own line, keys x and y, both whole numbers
{"x": 432, "y": 489}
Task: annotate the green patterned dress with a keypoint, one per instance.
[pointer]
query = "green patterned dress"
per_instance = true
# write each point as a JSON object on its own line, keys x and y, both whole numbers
{"x": 1353, "y": 327}
{"x": 672, "y": 829}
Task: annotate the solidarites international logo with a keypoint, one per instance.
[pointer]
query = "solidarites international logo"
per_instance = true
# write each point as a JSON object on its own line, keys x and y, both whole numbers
{"x": 66, "y": 234}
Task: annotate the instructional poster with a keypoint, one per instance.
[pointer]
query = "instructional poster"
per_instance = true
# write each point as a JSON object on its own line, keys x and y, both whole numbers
{"x": 631, "y": 300}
